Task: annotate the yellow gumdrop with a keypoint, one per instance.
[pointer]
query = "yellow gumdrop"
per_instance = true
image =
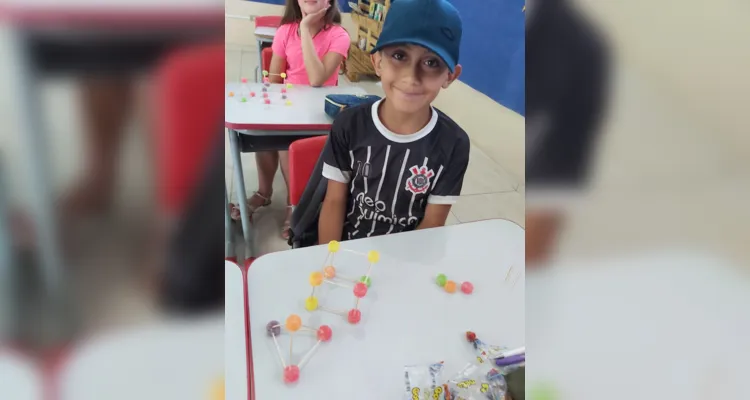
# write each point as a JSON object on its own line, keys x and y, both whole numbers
{"x": 217, "y": 390}
{"x": 283, "y": 75}
{"x": 289, "y": 102}
{"x": 316, "y": 278}
{"x": 311, "y": 303}
{"x": 333, "y": 246}
{"x": 373, "y": 256}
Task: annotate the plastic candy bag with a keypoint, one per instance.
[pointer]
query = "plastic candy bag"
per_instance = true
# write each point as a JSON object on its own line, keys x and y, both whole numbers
{"x": 424, "y": 382}
{"x": 477, "y": 382}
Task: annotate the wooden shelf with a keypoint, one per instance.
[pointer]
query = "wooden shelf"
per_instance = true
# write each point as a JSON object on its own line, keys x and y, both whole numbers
{"x": 368, "y": 32}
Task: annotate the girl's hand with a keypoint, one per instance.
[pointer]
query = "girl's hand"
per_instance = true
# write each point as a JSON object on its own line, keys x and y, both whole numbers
{"x": 311, "y": 19}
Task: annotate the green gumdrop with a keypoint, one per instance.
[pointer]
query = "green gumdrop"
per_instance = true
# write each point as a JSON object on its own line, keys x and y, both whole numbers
{"x": 365, "y": 280}
{"x": 243, "y": 100}
{"x": 441, "y": 279}
{"x": 543, "y": 392}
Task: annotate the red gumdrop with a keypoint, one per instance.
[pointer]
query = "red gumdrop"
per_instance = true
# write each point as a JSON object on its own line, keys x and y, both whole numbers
{"x": 360, "y": 289}
{"x": 265, "y": 95}
{"x": 267, "y": 101}
{"x": 252, "y": 94}
{"x": 467, "y": 287}
{"x": 244, "y": 80}
{"x": 291, "y": 374}
{"x": 471, "y": 336}
{"x": 283, "y": 90}
{"x": 354, "y": 316}
{"x": 325, "y": 333}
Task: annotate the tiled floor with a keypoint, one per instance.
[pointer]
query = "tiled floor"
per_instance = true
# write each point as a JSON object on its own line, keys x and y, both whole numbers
{"x": 489, "y": 191}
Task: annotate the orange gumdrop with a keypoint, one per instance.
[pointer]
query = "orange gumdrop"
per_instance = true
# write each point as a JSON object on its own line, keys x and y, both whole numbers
{"x": 293, "y": 323}
{"x": 329, "y": 272}
{"x": 450, "y": 287}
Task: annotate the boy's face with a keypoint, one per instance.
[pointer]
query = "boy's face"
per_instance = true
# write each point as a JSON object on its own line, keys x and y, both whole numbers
{"x": 412, "y": 76}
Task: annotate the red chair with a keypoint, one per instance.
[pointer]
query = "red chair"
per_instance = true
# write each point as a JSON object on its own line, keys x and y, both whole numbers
{"x": 303, "y": 155}
{"x": 266, "y": 56}
{"x": 270, "y": 21}
{"x": 190, "y": 106}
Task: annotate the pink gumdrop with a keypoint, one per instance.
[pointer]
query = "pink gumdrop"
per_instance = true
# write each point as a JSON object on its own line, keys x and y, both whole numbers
{"x": 354, "y": 316}
{"x": 360, "y": 289}
{"x": 265, "y": 95}
{"x": 244, "y": 80}
{"x": 291, "y": 374}
{"x": 252, "y": 94}
{"x": 283, "y": 90}
{"x": 267, "y": 101}
{"x": 325, "y": 333}
{"x": 467, "y": 287}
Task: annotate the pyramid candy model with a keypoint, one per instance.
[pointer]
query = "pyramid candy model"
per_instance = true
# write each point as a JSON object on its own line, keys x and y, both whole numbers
{"x": 329, "y": 276}
{"x": 293, "y": 326}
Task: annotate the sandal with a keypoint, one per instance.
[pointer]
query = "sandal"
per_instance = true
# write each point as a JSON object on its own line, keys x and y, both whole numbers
{"x": 287, "y": 224}
{"x": 235, "y": 208}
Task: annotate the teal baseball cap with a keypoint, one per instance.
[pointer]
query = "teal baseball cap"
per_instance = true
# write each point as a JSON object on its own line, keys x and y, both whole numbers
{"x": 433, "y": 24}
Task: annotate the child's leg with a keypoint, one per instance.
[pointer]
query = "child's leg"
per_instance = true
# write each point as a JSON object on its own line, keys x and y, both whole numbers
{"x": 284, "y": 164}
{"x": 267, "y": 163}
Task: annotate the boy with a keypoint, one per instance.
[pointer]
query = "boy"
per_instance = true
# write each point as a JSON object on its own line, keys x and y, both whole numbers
{"x": 398, "y": 164}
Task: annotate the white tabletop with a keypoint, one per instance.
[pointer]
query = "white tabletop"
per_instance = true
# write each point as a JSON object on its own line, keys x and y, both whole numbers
{"x": 406, "y": 318}
{"x": 169, "y": 360}
{"x": 666, "y": 326}
{"x": 235, "y": 341}
{"x": 306, "y": 112}
{"x": 20, "y": 379}
{"x": 265, "y": 31}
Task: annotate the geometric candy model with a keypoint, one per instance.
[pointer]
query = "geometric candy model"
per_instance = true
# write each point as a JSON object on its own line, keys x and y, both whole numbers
{"x": 292, "y": 326}
{"x": 329, "y": 276}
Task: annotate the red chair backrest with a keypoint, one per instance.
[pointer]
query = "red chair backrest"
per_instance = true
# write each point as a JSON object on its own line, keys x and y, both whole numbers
{"x": 266, "y": 56}
{"x": 190, "y": 104}
{"x": 303, "y": 155}
{"x": 272, "y": 21}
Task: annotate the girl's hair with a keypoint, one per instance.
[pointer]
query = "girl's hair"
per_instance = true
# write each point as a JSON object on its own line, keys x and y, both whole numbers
{"x": 293, "y": 14}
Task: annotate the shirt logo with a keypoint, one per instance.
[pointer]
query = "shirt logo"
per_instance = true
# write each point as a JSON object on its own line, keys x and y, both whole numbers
{"x": 419, "y": 181}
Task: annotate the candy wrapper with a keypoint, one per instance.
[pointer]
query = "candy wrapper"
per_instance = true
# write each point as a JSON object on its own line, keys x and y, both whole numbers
{"x": 477, "y": 382}
{"x": 424, "y": 382}
{"x": 486, "y": 353}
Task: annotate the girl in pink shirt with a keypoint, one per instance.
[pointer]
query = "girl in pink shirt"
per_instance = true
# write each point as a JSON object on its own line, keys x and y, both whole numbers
{"x": 309, "y": 46}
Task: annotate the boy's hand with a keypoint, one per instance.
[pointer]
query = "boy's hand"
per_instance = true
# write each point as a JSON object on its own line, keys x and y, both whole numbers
{"x": 311, "y": 19}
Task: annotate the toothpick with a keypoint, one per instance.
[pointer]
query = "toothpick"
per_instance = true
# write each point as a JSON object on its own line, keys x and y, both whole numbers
{"x": 278, "y": 351}
{"x": 332, "y": 311}
{"x": 345, "y": 278}
{"x": 508, "y": 274}
{"x": 291, "y": 337}
{"x": 307, "y": 356}
{"x": 337, "y": 284}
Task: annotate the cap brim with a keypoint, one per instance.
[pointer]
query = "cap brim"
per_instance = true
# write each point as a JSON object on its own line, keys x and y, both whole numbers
{"x": 441, "y": 52}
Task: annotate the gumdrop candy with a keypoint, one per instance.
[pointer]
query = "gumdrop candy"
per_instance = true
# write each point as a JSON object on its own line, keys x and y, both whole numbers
{"x": 441, "y": 279}
{"x": 360, "y": 290}
{"x": 325, "y": 333}
{"x": 293, "y": 323}
{"x": 329, "y": 272}
{"x": 450, "y": 287}
{"x": 311, "y": 303}
{"x": 467, "y": 287}
{"x": 291, "y": 374}
{"x": 373, "y": 256}
{"x": 273, "y": 328}
{"x": 354, "y": 316}
{"x": 366, "y": 280}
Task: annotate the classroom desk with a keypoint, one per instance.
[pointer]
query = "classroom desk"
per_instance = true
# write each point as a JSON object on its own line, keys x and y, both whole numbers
{"x": 235, "y": 334}
{"x": 20, "y": 379}
{"x": 675, "y": 323}
{"x": 76, "y": 37}
{"x": 167, "y": 360}
{"x": 273, "y": 127}
{"x": 406, "y": 318}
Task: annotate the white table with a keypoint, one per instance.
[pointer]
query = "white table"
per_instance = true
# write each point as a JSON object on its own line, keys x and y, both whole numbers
{"x": 169, "y": 360}
{"x": 273, "y": 127}
{"x": 235, "y": 335}
{"x": 406, "y": 317}
{"x": 41, "y": 27}
{"x": 670, "y": 325}
{"x": 20, "y": 377}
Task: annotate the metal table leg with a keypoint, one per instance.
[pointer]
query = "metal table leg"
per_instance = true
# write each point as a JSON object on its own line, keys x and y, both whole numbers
{"x": 8, "y": 282}
{"x": 228, "y": 242}
{"x": 239, "y": 178}
{"x": 260, "y": 61}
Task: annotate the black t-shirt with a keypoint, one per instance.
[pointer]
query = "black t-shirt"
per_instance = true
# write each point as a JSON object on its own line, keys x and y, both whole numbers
{"x": 393, "y": 177}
